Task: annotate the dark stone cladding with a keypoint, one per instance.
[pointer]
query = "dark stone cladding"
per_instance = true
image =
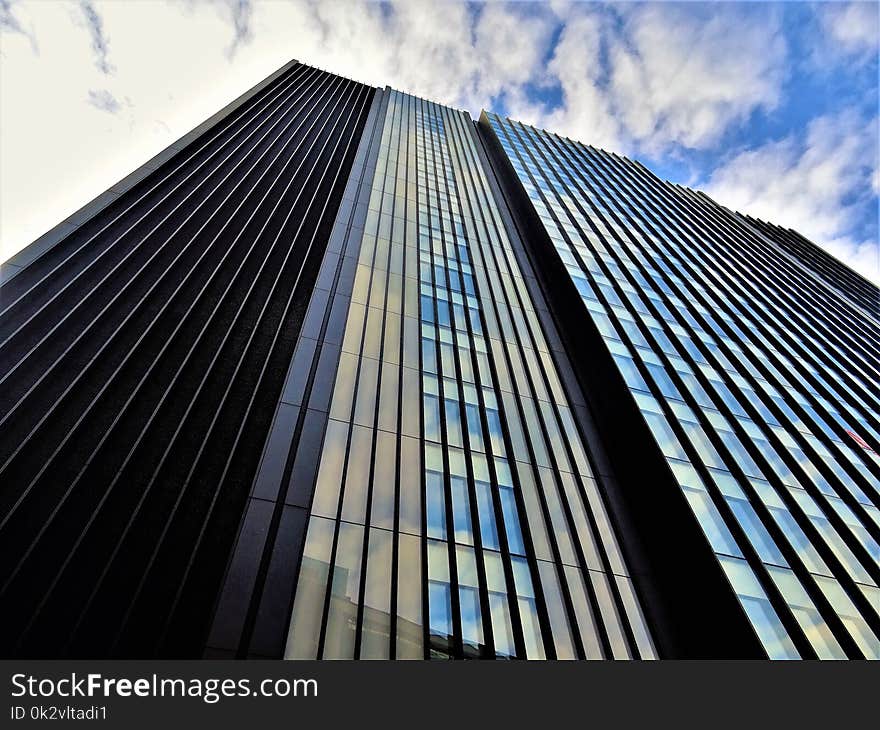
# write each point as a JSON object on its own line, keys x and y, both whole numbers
{"x": 685, "y": 597}
{"x": 144, "y": 344}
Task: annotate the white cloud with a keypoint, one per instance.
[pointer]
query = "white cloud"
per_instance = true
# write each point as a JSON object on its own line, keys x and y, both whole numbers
{"x": 651, "y": 77}
{"x": 686, "y": 77}
{"x": 852, "y": 28}
{"x": 100, "y": 42}
{"x": 103, "y": 99}
{"x": 819, "y": 185}
{"x": 10, "y": 23}
{"x": 59, "y": 146}
{"x": 161, "y": 68}
{"x": 661, "y": 79}
{"x": 587, "y": 112}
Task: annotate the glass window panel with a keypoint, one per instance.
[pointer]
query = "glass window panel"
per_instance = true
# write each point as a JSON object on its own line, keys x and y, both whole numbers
{"x": 664, "y": 435}
{"x": 856, "y": 625}
{"x": 760, "y": 612}
{"x": 372, "y": 334}
{"x": 409, "y": 416}
{"x": 611, "y": 617}
{"x": 354, "y": 327}
{"x": 707, "y": 453}
{"x": 376, "y": 626}
{"x": 409, "y": 598}
{"x": 469, "y": 601}
{"x": 390, "y": 391}
{"x": 411, "y": 342}
{"x": 710, "y": 520}
{"x": 344, "y": 595}
{"x": 663, "y": 381}
{"x": 343, "y": 389}
{"x": 496, "y": 435}
{"x": 410, "y": 514}
{"x": 431, "y": 422}
{"x": 798, "y": 539}
{"x": 757, "y": 533}
{"x": 382, "y": 499}
{"x": 804, "y": 610}
{"x": 435, "y": 505}
{"x": 461, "y": 511}
{"x": 357, "y": 474}
{"x": 501, "y": 626}
{"x": 365, "y": 408}
{"x": 636, "y": 618}
{"x": 427, "y": 308}
{"x": 685, "y": 474}
{"x": 448, "y": 359}
{"x": 488, "y": 531}
{"x": 562, "y": 640}
{"x": 311, "y": 590}
{"x": 557, "y": 517}
{"x": 457, "y": 466}
{"x": 326, "y": 499}
{"x": 429, "y": 355}
{"x": 515, "y": 541}
{"x": 502, "y": 473}
{"x": 439, "y": 599}
{"x": 534, "y": 513}
{"x": 475, "y": 429}
{"x": 528, "y": 609}
{"x": 453, "y": 422}
{"x": 832, "y": 538}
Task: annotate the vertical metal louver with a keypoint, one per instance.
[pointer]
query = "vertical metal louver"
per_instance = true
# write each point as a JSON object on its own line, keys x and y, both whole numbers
{"x": 141, "y": 359}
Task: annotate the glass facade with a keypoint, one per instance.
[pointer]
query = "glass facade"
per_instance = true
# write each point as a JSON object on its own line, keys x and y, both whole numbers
{"x": 455, "y": 511}
{"x": 756, "y": 376}
{"x": 399, "y": 385}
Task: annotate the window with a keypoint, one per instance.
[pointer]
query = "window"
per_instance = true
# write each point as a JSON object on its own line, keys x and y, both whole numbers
{"x": 511, "y": 522}
{"x": 461, "y": 511}
{"x": 308, "y": 606}
{"x": 760, "y": 612}
{"x": 439, "y": 599}
{"x": 710, "y": 520}
{"x": 469, "y": 601}
{"x": 488, "y": 531}
{"x": 804, "y": 610}
{"x": 856, "y": 625}
{"x": 500, "y": 611}
{"x": 756, "y": 532}
{"x": 435, "y": 505}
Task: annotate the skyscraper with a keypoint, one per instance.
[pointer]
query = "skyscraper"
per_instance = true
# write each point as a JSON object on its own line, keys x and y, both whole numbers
{"x": 750, "y": 358}
{"x": 344, "y": 374}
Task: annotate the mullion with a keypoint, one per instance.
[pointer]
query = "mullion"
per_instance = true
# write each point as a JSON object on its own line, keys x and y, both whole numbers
{"x": 781, "y": 448}
{"x": 368, "y": 526}
{"x": 602, "y": 548}
{"x": 576, "y": 476}
{"x": 729, "y": 521}
{"x": 369, "y": 139}
{"x": 351, "y": 426}
{"x": 671, "y": 420}
{"x": 501, "y": 527}
{"x": 429, "y": 166}
{"x": 773, "y": 297}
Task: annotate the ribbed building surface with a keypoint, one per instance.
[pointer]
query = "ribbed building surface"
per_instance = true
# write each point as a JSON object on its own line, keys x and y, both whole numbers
{"x": 344, "y": 374}
{"x": 840, "y": 276}
{"x": 491, "y": 539}
{"x": 753, "y": 367}
{"x": 141, "y": 359}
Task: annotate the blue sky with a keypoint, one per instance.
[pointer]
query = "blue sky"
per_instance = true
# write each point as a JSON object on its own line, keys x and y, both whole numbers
{"x": 770, "y": 108}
